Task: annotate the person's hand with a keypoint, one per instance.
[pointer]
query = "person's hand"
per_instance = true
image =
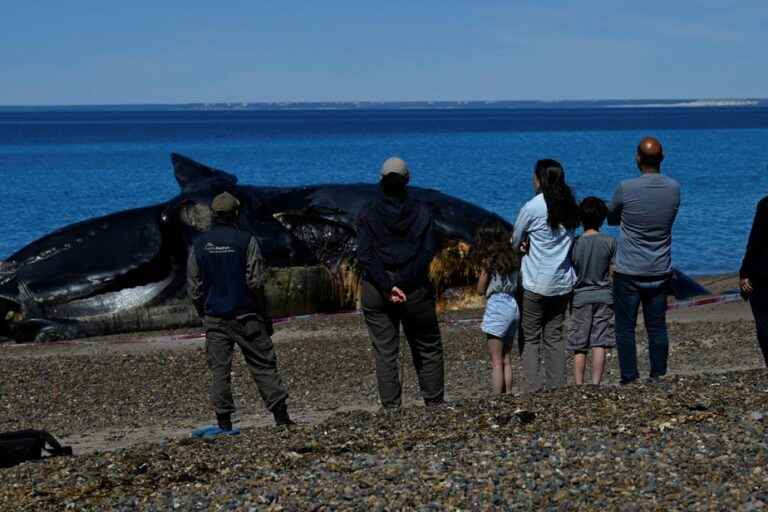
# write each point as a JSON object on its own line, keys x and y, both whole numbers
{"x": 397, "y": 296}
{"x": 746, "y": 286}
{"x": 524, "y": 246}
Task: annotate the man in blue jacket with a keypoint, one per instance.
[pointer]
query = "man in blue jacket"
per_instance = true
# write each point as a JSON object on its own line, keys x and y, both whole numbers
{"x": 225, "y": 278}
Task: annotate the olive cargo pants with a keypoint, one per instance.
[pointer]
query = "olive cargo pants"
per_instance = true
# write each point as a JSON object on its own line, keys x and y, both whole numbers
{"x": 419, "y": 321}
{"x": 251, "y": 335}
{"x": 543, "y": 345}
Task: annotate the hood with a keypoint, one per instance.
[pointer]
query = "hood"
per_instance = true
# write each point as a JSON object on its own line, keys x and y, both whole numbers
{"x": 399, "y": 226}
{"x": 401, "y": 216}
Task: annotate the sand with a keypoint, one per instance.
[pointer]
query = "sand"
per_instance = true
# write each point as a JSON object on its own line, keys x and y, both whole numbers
{"x": 138, "y": 395}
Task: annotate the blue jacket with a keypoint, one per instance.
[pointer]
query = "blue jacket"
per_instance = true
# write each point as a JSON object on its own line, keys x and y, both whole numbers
{"x": 224, "y": 272}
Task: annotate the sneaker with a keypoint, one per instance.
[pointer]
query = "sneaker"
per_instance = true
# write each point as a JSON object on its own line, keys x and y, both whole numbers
{"x": 213, "y": 431}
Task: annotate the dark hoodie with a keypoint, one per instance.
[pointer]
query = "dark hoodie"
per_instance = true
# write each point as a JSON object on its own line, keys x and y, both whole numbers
{"x": 396, "y": 243}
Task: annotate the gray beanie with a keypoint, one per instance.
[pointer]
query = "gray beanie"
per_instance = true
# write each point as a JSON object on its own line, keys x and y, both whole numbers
{"x": 395, "y": 165}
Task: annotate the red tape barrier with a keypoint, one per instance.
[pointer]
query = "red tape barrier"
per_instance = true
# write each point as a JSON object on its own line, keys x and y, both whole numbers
{"x": 686, "y": 304}
{"x": 707, "y": 301}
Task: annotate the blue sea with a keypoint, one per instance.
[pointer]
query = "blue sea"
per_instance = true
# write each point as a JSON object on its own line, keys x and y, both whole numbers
{"x": 60, "y": 167}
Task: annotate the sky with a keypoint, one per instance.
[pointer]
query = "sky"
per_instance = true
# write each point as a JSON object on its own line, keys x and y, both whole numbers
{"x": 102, "y": 52}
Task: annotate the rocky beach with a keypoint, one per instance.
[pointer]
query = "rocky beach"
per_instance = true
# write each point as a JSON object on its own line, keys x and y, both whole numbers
{"x": 693, "y": 441}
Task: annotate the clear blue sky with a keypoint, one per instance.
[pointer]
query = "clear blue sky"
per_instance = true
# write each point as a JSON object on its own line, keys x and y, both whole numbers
{"x": 86, "y": 52}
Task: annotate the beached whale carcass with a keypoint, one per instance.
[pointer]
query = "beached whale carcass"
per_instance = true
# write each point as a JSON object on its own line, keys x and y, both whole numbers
{"x": 126, "y": 271}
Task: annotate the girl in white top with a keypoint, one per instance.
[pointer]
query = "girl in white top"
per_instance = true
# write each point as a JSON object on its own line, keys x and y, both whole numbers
{"x": 545, "y": 230}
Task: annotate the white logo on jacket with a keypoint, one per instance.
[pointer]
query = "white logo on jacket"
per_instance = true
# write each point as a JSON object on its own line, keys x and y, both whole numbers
{"x": 212, "y": 248}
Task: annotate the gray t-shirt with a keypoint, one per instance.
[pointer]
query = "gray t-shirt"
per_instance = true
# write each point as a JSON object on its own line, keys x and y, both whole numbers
{"x": 591, "y": 256}
{"x": 646, "y": 208}
{"x": 502, "y": 284}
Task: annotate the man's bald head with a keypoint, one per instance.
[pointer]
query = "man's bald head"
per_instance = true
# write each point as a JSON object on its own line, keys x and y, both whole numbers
{"x": 649, "y": 154}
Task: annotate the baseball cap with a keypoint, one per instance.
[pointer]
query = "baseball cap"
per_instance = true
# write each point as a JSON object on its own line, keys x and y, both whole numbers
{"x": 224, "y": 203}
{"x": 394, "y": 165}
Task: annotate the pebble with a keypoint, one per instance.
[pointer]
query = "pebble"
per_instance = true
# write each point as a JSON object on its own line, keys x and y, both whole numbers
{"x": 572, "y": 448}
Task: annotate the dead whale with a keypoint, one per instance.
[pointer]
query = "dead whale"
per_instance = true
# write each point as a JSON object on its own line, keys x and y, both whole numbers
{"x": 126, "y": 271}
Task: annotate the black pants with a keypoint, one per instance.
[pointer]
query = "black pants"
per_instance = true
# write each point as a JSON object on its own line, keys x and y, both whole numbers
{"x": 759, "y": 302}
{"x": 251, "y": 335}
{"x": 419, "y": 321}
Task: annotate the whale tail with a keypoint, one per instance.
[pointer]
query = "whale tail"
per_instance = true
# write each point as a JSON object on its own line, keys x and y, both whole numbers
{"x": 195, "y": 177}
{"x": 684, "y": 287}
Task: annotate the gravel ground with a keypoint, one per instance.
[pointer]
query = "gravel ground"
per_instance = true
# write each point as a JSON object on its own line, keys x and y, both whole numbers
{"x": 691, "y": 442}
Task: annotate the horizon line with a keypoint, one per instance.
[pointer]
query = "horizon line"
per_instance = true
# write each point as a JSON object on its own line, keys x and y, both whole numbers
{"x": 382, "y": 102}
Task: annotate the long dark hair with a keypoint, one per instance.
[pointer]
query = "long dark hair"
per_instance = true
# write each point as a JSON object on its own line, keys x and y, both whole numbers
{"x": 493, "y": 251}
{"x": 562, "y": 210}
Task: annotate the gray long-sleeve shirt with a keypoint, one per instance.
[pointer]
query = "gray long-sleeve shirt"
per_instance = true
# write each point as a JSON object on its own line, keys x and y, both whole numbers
{"x": 646, "y": 208}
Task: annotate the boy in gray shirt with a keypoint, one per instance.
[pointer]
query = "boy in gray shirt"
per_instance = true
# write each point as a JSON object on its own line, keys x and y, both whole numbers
{"x": 591, "y": 324}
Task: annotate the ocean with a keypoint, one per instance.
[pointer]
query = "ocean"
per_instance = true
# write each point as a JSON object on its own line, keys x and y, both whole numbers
{"x": 59, "y": 167}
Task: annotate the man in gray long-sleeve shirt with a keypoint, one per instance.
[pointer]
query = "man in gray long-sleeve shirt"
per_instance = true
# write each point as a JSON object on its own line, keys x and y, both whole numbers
{"x": 645, "y": 208}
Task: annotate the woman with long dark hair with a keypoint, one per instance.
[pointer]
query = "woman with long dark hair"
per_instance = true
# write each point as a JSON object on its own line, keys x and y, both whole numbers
{"x": 545, "y": 230}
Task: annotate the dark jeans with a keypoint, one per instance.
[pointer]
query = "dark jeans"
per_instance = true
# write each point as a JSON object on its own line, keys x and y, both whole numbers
{"x": 628, "y": 293}
{"x": 759, "y": 302}
{"x": 419, "y": 321}
{"x": 542, "y": 342}
{"x": 250, "y": 334}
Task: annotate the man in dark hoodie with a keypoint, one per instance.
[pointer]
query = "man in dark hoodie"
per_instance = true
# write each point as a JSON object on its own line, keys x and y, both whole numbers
{"x": 396, "y": 244}
{"x": 225, "y": 280}
{"x": 754, "y": 274}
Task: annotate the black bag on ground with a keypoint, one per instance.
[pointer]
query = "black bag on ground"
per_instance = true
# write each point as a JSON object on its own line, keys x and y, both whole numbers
{"x": 23, "y": 445}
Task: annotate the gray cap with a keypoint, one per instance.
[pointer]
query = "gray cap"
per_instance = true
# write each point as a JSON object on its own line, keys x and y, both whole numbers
{"x": 394, "y": 165}
{"x": 224, "y": 203}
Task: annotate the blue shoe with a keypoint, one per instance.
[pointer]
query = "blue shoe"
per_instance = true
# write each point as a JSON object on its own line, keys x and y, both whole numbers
{"x": 213, "y": 431}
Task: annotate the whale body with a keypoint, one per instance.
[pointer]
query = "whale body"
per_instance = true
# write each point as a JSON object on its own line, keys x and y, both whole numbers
{"x": 127, "y": 271}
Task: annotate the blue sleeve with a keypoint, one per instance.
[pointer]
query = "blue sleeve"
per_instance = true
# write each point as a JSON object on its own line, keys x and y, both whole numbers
{"x": 520, "y": 229}
{"x": 614, "y": 209}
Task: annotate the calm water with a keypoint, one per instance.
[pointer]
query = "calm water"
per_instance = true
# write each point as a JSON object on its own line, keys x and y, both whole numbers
{"x": 62, "y": 167}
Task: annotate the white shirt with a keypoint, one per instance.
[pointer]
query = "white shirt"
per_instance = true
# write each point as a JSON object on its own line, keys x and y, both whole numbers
{"x": 547, "y": 268}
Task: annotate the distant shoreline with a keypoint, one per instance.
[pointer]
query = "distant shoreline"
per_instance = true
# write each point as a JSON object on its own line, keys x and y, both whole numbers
{"x": 399, "y": 105}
